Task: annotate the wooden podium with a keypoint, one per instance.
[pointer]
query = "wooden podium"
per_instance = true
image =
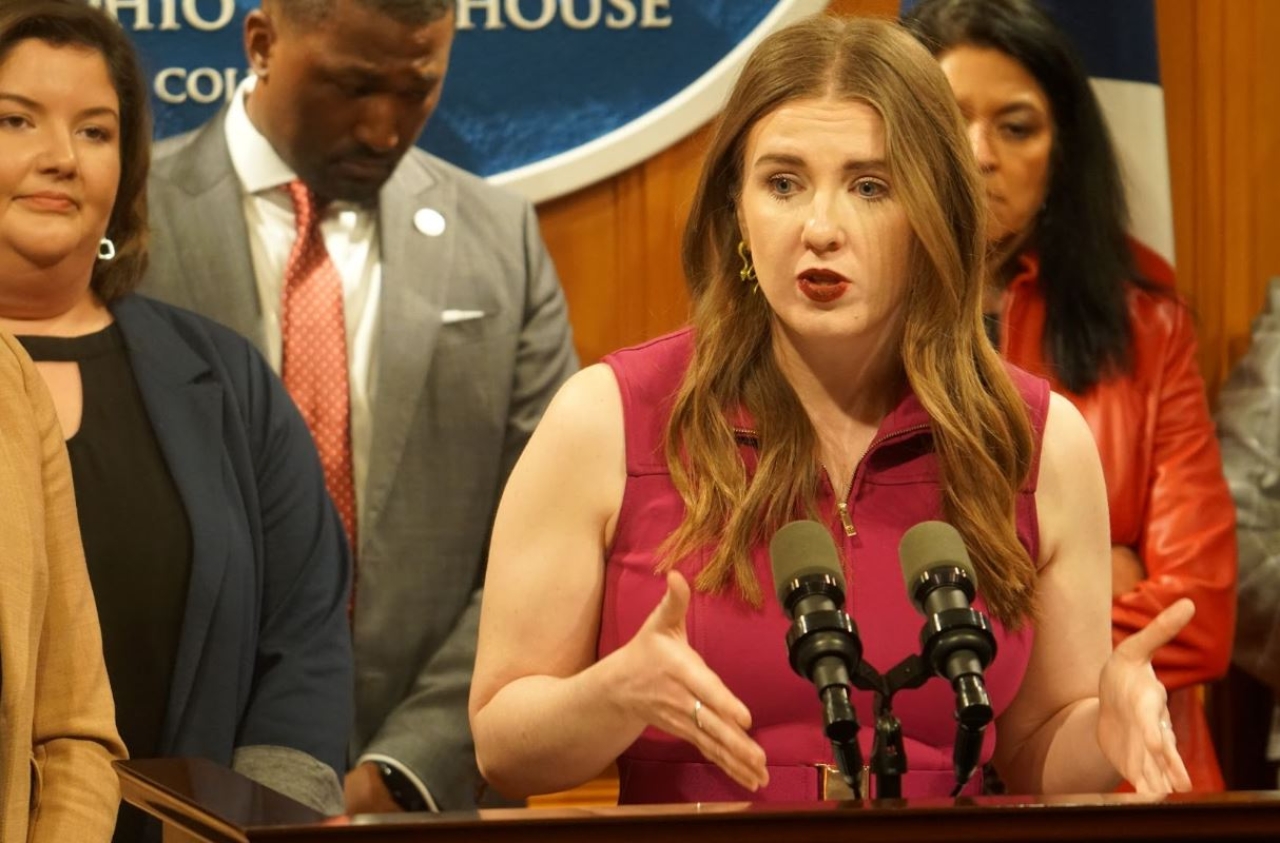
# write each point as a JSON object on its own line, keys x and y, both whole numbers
{"x": 197, "y": 800}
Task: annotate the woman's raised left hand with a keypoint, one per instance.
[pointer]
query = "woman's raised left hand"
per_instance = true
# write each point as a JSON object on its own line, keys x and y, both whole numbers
{"x": 1134, "y": 730}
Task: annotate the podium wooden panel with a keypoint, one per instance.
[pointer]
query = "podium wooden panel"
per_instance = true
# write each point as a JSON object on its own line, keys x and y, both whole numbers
{"x": 200, "y": 801}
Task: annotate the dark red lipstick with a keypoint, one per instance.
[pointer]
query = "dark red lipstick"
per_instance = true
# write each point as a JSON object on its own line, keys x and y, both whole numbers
{"x": 822, "y": 286}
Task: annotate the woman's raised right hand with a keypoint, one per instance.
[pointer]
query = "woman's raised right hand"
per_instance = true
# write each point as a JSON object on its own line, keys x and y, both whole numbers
{"x": 665, "y": 683}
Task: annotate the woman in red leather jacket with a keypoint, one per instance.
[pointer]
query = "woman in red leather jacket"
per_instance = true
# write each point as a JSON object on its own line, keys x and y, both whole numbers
{"x": 1076, "y": 301}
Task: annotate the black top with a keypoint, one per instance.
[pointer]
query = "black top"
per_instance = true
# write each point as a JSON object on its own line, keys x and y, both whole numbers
{"x": 137, "y": 538}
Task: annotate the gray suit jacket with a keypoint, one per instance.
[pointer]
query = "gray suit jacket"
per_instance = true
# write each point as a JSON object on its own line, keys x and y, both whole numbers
{"x": 1249, "y": 429}
{"x": 453, "y": 404}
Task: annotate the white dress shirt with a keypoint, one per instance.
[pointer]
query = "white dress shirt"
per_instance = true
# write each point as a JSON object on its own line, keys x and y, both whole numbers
{"x": 351, "y": 237}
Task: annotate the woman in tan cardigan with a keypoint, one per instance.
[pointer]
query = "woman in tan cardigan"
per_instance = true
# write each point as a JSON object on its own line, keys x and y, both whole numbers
{"x": 57, "y": 723}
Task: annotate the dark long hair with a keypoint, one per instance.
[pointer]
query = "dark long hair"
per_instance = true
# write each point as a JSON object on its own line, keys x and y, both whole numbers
{"x": 1086, "y": 266}
{"x": 75, "y": 23}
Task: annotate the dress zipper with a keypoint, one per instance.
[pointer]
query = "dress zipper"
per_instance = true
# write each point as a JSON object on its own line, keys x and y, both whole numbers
{"x": 842, "y": 502}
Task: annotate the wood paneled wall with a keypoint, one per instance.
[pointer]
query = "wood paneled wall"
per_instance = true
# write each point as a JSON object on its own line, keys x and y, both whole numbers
{"x": 1222, "y": 102}
{"x": 617, "y": 243}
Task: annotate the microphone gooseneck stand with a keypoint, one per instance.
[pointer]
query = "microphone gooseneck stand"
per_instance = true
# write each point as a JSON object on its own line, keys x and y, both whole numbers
{"x": 942, "y": 636}
{"x": 888, "y": 753}
{"x": 834, "y": 635}
{"x": 956, "y": 644}
{"x": 824, "y": 646}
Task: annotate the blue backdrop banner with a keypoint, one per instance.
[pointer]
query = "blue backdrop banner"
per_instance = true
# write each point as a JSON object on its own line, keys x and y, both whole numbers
{"x": 543, "y": 95}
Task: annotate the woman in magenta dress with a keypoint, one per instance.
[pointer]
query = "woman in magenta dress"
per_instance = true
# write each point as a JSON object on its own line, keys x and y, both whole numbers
{"x": 836, "y": 369}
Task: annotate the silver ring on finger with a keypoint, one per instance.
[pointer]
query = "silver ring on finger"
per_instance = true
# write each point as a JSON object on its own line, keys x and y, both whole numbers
{"x": 697, "y": 713}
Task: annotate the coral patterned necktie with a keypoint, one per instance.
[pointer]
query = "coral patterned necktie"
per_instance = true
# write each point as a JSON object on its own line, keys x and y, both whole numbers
{"x": 315, "y": 352}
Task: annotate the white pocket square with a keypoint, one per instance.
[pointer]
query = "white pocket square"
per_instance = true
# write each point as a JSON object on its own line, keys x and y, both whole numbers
{"x": 448, "y": 317}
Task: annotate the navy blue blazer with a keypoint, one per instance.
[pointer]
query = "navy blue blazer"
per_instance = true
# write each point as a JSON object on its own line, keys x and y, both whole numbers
{"x": 264, "y": 655}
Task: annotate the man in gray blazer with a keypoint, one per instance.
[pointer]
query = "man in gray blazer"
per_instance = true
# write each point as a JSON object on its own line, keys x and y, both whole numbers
{"x": 457, "y": 337}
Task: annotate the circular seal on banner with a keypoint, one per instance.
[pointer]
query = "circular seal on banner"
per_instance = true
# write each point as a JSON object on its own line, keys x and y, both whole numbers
{"x": 543, "y": 96}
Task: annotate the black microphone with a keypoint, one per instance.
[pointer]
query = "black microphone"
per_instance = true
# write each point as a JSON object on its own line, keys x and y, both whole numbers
{"x": 957, "y": 642}
{"x": 822, "y": 644}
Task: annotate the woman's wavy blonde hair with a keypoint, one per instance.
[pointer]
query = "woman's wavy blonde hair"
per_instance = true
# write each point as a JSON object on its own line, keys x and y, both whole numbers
{"x": 980, "y": 427}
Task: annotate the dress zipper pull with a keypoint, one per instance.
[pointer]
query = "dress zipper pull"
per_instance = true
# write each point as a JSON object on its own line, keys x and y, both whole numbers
{"x": 846, "y": 520}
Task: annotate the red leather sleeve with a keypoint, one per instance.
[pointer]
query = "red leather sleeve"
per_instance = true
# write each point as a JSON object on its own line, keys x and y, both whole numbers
{"x": 1188, "y": 546}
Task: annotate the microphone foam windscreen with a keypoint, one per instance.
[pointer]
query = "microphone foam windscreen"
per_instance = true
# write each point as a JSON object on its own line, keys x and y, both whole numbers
{"x": 800, "y": 548}
{"x": 931, "y": 544}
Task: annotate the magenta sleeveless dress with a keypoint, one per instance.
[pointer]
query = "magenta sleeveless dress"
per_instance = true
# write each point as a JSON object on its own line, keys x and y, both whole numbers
{"x": 894, "y": 488}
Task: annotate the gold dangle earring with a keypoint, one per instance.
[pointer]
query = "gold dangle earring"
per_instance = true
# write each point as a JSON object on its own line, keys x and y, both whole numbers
{"x": 748, "y": 271}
